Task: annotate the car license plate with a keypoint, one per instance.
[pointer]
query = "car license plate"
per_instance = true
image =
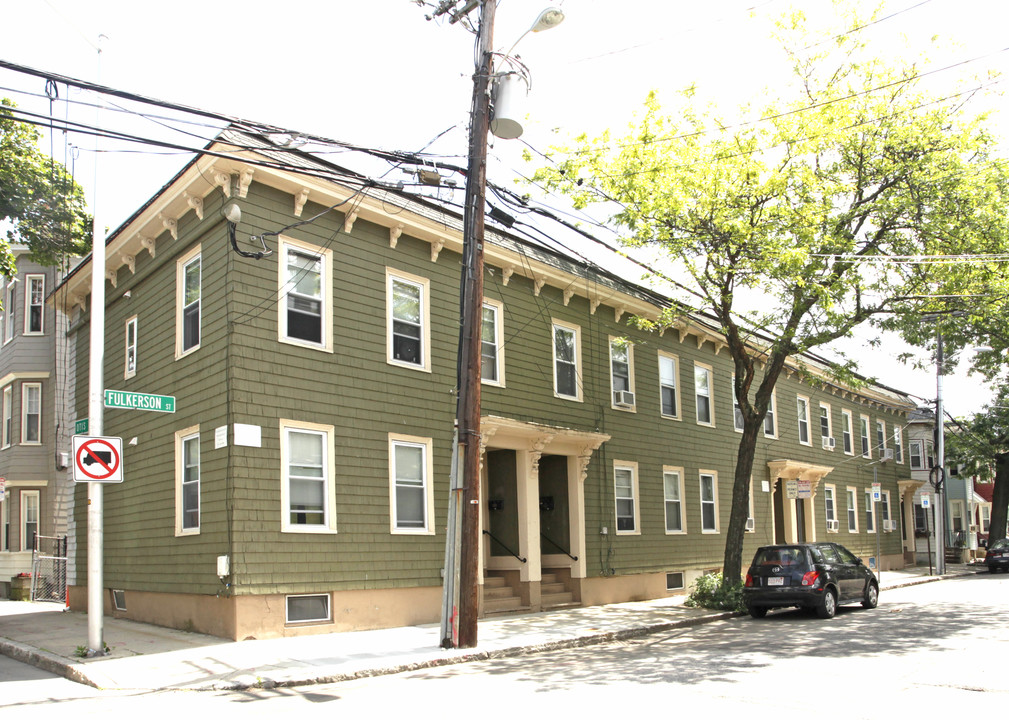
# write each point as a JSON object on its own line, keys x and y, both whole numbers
{"x": 771, "y": 581}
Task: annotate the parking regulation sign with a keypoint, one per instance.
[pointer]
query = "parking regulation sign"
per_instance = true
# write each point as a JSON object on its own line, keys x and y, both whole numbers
{"x": 98, "y": 459}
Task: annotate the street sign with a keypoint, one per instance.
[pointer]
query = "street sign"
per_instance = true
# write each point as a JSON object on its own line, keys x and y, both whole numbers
{"x": 139, "y": 401}
{"x": 3, "y": 486}
{"x": 81, "y": 427}
{"x": 877, "y": 493}
{"x": 98, "y": 459}
{"x": 925, "y": 502}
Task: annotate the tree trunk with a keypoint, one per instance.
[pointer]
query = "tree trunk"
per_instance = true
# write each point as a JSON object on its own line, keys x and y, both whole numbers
{"x": 999, "y": 499}
{"x": 732, "y": 563}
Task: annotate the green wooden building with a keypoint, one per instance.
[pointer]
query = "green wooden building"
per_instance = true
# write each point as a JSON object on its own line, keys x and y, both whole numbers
{"x": 301, "y": 484}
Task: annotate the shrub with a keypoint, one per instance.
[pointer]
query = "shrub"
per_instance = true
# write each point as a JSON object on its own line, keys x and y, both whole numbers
{"x": 707, "y": 592}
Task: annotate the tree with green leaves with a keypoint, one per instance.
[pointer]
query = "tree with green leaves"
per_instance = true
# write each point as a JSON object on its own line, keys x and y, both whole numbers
{"x": 41, "y": 202}
{"x": 791, "y": 230}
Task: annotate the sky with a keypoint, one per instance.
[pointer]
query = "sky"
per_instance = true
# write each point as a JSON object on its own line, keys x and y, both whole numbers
{"x": 377, "y": 73}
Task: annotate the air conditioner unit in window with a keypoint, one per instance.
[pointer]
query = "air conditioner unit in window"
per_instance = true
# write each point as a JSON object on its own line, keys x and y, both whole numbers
{"x": 623, "y": 398}
{"x": 887, "y": 454}
{"x": 750, "y": 523}
{"x": 828, "y": 443}
{"x": 832, "y": 525}
{"x": 889, "y": 526}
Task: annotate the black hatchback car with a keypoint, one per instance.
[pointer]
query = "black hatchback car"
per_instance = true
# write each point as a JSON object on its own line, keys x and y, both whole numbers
{"x": 811, "y": 575}
{"x": 997, "y": 556}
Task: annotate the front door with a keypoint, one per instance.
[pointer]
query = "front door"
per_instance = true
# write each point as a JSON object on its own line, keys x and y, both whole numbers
{"x": 502, "y": 503}
{"x": 555, "y": 517}
{"x": 779, "y": 512}
{"x": 800, "y": 521}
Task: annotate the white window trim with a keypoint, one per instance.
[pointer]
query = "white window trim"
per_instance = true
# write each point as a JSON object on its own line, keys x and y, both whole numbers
{"x": 851, "y": 431}
{"x": 888, "y": 517}
{"x": 28, "y": 291}
{"x": 851, "y": 492}
{"x": 750, "y": 514}
{"x": 827, "y": 515}
{"x": 772, "y": 407}
{"x": 678, "y": 471}
{"x": 498, "y": 308}
{"x": 10, "y": 311}
{"x": 7, "y": 429}
{"x": 24, "y": 495}
{"x": 881, "y": 433}
{"x": 578, "y": 397}
{"x": 630, "y": 375}
{"x": 180, "y": 437}
{"x": 711, "y": 394}
{"x": 714, "y": 491}
{"x": 635, "y": 498}
{"x": 985, "y": 518}
{"x": 867, "y": 436}
{"x": 921, "y": 454}
{"x": 309, "y": 621}
{"x": 428, "y": 446}
{"x": 871, "y": 503}
{"x": 676, "y": 385}
{"x": 127, "y": 373}
{"x": 329, "y": 526}
{"x": 735, "y": 404}
{"x": 425, "y": 319}
{"x": 800, "y": 418}
{"x": 25, "y": 387}
{"x": 286, "y": 244}
{"x": 830, "y": 424}
{"x": 180, "y": 301}
{"x": 898, "y": 444}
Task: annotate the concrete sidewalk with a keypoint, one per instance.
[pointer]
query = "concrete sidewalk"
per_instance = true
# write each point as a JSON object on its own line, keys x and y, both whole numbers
{"x": 147, "y": 657}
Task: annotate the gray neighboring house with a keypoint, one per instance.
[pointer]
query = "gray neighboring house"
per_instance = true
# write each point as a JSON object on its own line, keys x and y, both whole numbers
{"x": 34, "y": 426}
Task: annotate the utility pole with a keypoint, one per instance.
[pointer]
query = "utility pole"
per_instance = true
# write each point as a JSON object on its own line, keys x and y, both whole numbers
{"x": 471, "y": 311}
{"x": 940, "y": 459}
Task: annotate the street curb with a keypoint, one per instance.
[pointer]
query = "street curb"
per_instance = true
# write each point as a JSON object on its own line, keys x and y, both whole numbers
{"x": 44, "y": 660}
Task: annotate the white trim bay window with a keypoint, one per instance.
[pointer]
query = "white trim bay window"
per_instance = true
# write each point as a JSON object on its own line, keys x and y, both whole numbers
{"x": 189, "y": 302}
{"x": 672, "y": 483}
{"x": 410, "y": 497}
{"x": 187, "y": 481}
{"x": 409, "y": 320}
{"x": 492, "y": 344}
{"x": 625, "y": 493}
{"x": 307, "y": 489}
{"x": 306, "y": 295}
{"x": 35, "y": 295}
{"x": 8, "y": 415}
{"x": 10, "y": 303}
{"x": 567, "y": 360}
{"x": 31, "y": 413}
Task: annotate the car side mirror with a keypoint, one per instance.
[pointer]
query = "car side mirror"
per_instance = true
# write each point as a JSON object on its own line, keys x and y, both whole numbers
{"x": 858, "y": 561}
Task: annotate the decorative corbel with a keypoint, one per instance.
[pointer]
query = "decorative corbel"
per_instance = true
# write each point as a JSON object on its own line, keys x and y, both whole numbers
{"x": 223, "y": 180}
{"x": 594, "y": 305}
{"x": 538, "y": 284}
{"x": 618, "y": 313}
{"x": 394, "y": 233}
{"x": 196, "y": 203}
{"x": 436, "y": 248}
{"x": 79, "y": 300}
{"x": 719, "y": 346}
{"x": 244, "y": 180}
{"x": 112, "y": 276}
{"x": 684, "y": 334}
{"x": 299, "y": 201}
{"x": 147, "y": 244}
{"x": 506, "y": 274}
{"x": 348, "y": 222}
{"x": 567, "y": 296}
{"x": 129, "y": 261}
{"x": 171, "y": 225}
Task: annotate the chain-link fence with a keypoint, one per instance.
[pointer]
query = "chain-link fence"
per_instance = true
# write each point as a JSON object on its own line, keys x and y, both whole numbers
{"x": 49, "y": 569}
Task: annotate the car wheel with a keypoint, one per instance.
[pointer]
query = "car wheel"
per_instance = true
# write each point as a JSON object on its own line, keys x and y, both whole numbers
{"x": 992, "y": 569}
{"x": 758, "y": 612}
{"x": 828, "y": 605}
{"x": 871, "y": 598}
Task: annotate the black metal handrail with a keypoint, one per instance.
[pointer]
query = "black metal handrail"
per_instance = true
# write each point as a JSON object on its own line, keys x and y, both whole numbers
{"x": 558, "y": 547}
{"x": 510, "y": 551}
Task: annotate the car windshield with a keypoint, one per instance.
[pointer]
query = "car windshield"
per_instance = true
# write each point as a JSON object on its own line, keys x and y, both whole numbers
{"x": 780, "y": 556}
{"x": 1002, "y": 544}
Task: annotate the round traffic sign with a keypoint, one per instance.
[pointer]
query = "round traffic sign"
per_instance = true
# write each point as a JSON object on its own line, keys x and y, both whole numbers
{"x": 92, "y": 452}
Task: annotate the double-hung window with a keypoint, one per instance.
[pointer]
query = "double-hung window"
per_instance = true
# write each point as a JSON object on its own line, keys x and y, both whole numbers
{"x": 802, "y": 405}
{"x": 668, "y": 395}
{"x": 10, "y": 305}
{"x": 898, "y": 444}
{"x": 852, "y": 510}
{"x": 929, "y": 454}
{"x": 770, "y": 420}
{"x": 829, "y": 508}
{"x": 187, "y": 481}
{"x": 492, "y": 344}
{"x": 826, "y": 427}
{"x": 914, "y": 452}
{"x": 189, "y": 301}
{"x": 567, "y": 360}
{"x": 737, "y": 411}
{"x": 672, "y": 483}
{"x": 709, "y": 501}
{"x": 863, "y": 433}
{"x": 35, "y": 296}
{"x": 29, "y": 518}
{"x": 305, "y": 307}
{"x": 884, "y": 509}
{"x": 870, "y": 514}
{"x": 409, "y": 339}
{"x": 703, "y": 394}
{"x": 410, "y": 490}
{"x": 307, "y": 490}
{"x": 130, "y": 362}
{"x": 8, "y": 415}
{"x": 625, "y": 492}
{"x": 846, "y": 432}
{"x": 881, "y": 437}
{"x": 622, "y": 373}
{"x": 31, "y": 413}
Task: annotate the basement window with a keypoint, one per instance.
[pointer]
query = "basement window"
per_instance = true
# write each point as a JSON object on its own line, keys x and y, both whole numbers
{"x": 119, "y": 600}
{"x": 307, "y": 608}
{"x": 674, "y": 581}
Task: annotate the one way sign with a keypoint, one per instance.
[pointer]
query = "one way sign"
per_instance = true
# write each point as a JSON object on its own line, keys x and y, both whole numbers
{"x": 98, "y": 459}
